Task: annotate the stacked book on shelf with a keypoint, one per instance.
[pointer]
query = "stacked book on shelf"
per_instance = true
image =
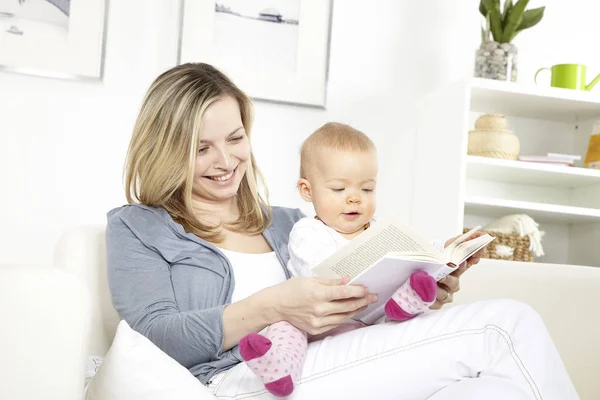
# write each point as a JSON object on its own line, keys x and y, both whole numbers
{"x": 592, "y": 157}
{"x": 552, "y": 158}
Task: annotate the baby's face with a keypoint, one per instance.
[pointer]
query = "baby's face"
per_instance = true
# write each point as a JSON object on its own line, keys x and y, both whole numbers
{"x": 342, "y": 185}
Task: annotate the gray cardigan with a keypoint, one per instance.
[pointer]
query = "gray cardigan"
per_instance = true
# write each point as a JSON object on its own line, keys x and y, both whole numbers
{"x": 172, "y": 286}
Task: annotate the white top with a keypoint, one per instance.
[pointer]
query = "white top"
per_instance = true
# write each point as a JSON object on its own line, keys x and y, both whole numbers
{"x": 253, "y": 272}
{"x": 311, "y": 242}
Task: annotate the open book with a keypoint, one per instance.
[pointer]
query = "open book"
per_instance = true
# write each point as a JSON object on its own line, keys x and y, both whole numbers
{"x": 384, "y": 256}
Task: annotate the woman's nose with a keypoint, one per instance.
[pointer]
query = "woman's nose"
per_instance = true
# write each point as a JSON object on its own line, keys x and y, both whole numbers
{"x": 223, "y": 160}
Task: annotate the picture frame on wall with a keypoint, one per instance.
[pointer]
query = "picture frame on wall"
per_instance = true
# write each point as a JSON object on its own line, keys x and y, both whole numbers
{"x": 274, "y": 50}
{"x": 54, "y": 38}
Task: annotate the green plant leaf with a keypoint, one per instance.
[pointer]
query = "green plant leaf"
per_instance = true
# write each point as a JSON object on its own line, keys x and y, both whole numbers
{"x": 514, "y": 18}
{"x": 531, "y": 18}
{"x": 508, "y": 4}
{"x": 482, "y": 9}
{"x": 493, "y": 7}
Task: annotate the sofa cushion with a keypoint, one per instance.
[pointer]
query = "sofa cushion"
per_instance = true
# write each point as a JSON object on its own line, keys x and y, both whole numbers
{"x": 135, "y": 369}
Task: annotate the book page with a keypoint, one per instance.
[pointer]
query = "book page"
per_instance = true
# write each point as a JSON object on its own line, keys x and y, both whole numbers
{"x": 448, "y": 250}
{"x": 468, "y": 248}
{"x": 385, "y": 236}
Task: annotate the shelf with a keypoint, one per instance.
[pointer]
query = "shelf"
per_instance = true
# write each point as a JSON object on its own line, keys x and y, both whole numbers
{"x": 532, "y": 101}
{"x": 540, "y": 212}
{"x": 497, "y": 170}
{"x": 494, "y": 263}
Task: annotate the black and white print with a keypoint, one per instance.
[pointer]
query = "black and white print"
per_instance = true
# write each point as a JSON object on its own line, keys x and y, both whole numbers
{"x": 45, "y": 19}
{"x": 258, "y": 34}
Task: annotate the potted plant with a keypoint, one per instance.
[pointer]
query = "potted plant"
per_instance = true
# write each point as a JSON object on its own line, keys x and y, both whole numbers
{"x": 497, "y": 58}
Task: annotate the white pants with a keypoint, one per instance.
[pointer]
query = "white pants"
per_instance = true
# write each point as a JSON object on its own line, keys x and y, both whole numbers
{"x": 497, "y": 349}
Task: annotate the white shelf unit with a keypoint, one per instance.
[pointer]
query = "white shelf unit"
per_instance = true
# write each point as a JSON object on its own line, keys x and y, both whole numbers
{"x": 454, "y": 190}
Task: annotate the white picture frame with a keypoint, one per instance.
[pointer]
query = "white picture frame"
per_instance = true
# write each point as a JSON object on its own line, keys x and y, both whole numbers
{"x": 53, "y": 38}
{"x": 304, "y": 84}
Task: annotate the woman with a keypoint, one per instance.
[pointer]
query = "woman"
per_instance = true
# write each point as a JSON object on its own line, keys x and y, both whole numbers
{"x": 196, "y": 262}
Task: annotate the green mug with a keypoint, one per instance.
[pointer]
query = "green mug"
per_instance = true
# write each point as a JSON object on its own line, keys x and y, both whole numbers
{"x": 569, "y": 76}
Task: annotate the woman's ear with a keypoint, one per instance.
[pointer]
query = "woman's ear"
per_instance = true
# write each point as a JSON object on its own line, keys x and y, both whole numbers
{"x": 304, "y": 189}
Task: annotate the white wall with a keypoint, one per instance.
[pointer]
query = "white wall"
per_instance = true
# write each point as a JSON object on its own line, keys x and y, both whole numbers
{"x": 62, "y": 143}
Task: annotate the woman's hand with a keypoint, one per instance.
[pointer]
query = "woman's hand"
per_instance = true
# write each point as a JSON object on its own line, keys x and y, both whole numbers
{"x": 317, "y": 305}
{"x": 451, "y": 284}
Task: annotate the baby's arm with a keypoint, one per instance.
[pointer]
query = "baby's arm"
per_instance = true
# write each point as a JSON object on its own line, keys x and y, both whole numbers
{"x": 310, "y": 243}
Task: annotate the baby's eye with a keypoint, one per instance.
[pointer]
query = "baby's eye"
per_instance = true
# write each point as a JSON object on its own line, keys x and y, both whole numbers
{"x": 337, "y": 189}
{"x": 367, "y": 190}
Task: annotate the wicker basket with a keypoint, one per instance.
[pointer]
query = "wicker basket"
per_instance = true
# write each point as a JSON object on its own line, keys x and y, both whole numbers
{"x": 491, "y": 138}
{"x": 519, "y": 246}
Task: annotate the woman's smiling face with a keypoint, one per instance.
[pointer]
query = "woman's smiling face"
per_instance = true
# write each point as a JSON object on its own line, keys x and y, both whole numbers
{"x": 223, "y": 153}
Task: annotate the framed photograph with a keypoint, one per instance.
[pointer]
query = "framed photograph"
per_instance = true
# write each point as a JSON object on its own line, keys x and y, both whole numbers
{"x": 58, "y": 38}
{"x": 275, "y": 50}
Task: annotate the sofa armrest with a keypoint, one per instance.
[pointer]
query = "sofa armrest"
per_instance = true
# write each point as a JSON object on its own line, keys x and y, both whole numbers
{"x": 565, "y": 296}
{"x": 44, "y": 314}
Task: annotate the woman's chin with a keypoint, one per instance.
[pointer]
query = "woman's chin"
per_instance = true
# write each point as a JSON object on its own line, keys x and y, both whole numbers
{"x": 223, "y": 193}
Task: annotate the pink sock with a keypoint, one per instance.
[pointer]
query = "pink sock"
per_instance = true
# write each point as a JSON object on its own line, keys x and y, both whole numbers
{"x": 412, "y": 298}
{"x": 276, "y": 358}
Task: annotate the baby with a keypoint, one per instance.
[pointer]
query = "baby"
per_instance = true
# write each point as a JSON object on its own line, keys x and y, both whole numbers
{"x": 338, "y": 174}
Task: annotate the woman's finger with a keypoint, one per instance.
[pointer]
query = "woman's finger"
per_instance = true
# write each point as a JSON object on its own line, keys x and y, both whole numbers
{"x": 450, "y": 283}
{"x": 333, "y": 282}
{"x": 460, "y": 270}
{"x": 436, "y": 305}
{"x": 348, "y": 306}
{"x": 444, "y": 296}
{"x": 341, "y": 292}
{"x": 475, "y": 236}
{"x": 473, "y": 260}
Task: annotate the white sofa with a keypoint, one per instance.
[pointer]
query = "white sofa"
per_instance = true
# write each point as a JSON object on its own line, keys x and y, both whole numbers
{"x": 565, "y": 296}
{"x": 45, "y": 325}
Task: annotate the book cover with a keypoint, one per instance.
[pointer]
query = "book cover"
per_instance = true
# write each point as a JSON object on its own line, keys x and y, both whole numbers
{"x": 592, "y": 157}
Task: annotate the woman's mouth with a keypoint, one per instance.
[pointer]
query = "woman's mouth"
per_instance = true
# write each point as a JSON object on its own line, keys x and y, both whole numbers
{"x": 222, "y": 179}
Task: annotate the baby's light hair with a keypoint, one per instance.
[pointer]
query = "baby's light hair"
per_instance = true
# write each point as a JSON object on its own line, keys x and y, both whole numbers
{"x": 332, "y": 136}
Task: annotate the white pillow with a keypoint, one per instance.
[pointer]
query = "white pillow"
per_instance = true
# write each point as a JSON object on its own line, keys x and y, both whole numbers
{"x": 135, "y": 369}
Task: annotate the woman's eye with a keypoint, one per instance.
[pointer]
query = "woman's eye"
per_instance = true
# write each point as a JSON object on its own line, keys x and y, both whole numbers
{"x": 338, "y": 189}
{"x": 367, "y": 190}
{"x": 236, "y": 139}
{"x": 202, "y": 150}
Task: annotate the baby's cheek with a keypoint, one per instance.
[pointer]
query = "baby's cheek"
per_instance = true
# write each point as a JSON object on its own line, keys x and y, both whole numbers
{"x": 370, "y": 209}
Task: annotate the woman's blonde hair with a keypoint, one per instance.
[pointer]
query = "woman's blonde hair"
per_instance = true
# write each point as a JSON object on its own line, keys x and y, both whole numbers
{"x": 159, "y": 170}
